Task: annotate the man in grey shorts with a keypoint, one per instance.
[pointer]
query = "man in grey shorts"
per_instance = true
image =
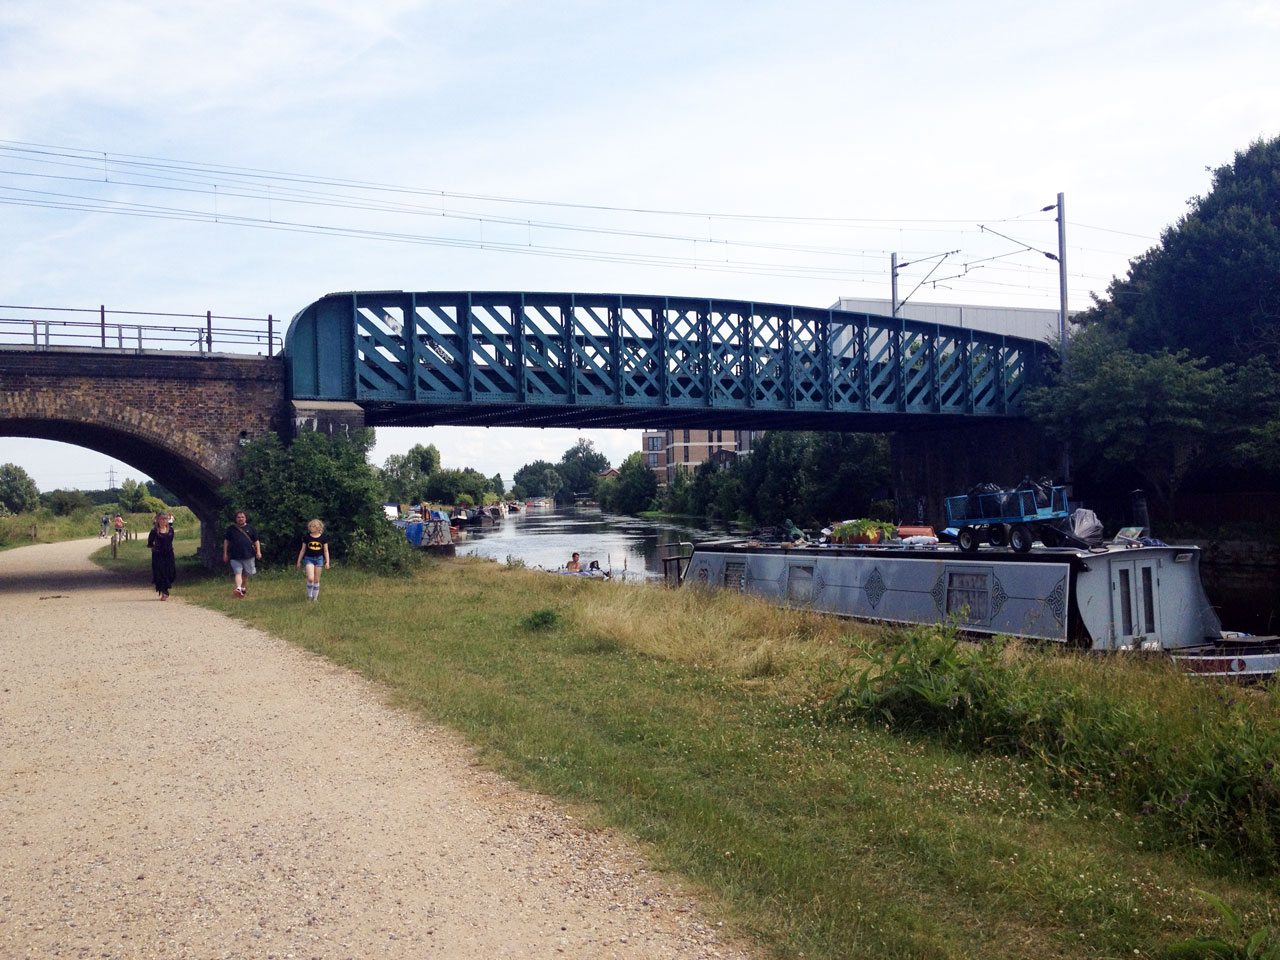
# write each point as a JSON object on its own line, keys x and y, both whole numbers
{"x": 241, "y": 549}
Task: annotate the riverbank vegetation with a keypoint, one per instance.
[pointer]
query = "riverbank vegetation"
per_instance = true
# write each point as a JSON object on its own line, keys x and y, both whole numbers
{"x": 824, "y": 810}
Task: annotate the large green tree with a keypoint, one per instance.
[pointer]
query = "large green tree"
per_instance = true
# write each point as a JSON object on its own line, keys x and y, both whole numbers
{"x": 537, "y": 479}
{"x": 18, "y": 492}
{"x": 63, "y": 503}
{"x": 632, "y": 490}
{"x": 133, "y": 496}
{"x": 777, "y": 477}
{"x": 1160, "y": 415}
{"x": 809, "y": 478}
{"x": 1212, "y": 285}
{"x": 454, "y": 486}
{"x": 579, "y": 469}
{"x": 405, "y": 476}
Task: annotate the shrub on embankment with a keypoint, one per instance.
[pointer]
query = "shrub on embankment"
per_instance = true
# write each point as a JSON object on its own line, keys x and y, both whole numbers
{"x": 1194, "y": 759}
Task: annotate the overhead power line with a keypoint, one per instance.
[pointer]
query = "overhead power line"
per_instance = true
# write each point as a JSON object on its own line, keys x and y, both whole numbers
{"x": 227, "y": 188}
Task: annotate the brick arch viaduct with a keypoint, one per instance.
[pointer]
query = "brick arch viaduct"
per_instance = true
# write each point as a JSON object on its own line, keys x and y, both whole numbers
{"x": 177, "y": 418}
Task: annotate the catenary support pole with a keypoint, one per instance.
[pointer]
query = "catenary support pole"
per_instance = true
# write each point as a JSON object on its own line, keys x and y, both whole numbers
{"x": 893, "y": 283}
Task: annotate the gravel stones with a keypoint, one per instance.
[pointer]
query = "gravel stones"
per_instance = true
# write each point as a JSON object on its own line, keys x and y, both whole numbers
{"x": 175, "y": 784}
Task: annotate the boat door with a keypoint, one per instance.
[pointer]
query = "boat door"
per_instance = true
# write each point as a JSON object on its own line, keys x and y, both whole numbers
{"x": 1135, "y": 601}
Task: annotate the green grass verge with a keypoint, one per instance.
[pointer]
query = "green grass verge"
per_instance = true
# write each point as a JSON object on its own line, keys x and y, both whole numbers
{"x": 693, "y": 724}
{"x": 16, "y": 529}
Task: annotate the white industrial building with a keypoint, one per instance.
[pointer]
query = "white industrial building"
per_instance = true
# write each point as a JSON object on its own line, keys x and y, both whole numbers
{"x": 1027, "y": 322}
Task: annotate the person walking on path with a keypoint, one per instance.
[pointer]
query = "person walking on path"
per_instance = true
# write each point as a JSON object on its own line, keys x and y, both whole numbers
{"x": 313, "y": 555}
{"x": 163, "y": 566}
{"x": 106, "y": 522}
{"x": 119, "y": 525}
{"x": 241, "y": 549}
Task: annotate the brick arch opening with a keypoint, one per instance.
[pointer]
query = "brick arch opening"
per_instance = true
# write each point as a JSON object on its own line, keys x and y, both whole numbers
{"x": 175, "y": 417}
{"x": 192, "y": 481}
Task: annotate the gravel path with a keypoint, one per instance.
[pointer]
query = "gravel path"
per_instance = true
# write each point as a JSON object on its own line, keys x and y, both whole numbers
{"x": 175, "y": 784}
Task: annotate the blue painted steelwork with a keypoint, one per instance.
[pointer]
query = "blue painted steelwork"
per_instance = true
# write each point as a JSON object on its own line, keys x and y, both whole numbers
{"x": 574, "y": 359}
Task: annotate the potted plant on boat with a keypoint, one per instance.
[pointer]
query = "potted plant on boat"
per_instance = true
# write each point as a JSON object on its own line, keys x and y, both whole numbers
{"x": 862, "y": 531}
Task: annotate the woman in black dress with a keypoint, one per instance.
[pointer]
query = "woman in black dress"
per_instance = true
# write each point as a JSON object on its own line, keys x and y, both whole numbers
{"x": 163, "y": 569}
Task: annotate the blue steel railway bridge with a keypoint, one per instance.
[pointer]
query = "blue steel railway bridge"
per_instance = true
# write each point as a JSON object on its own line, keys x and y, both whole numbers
{"x": 607, "y": 360}
{"x": 176, "y": 401}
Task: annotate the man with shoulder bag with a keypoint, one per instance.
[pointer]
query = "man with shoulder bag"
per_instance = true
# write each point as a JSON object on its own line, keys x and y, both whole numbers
{"x": 241, "y": 549}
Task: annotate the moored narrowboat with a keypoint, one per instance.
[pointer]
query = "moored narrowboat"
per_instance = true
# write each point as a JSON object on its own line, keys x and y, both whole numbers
{"x": 1117, "y": 596}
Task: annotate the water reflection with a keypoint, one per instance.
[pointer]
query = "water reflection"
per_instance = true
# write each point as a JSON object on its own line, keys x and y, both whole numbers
{"x": 547, "y": 538}
{"x": 1246, "y": 597}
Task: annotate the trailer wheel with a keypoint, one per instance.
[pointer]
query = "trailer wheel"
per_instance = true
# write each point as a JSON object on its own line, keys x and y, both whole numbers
{"x": 1020, "y": 538}
{"x": 967, "y": 538}
{"x": 998, "y": 534}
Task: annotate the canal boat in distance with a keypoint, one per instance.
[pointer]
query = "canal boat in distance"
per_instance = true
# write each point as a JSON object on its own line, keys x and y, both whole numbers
{"x": 1122, "y": 595}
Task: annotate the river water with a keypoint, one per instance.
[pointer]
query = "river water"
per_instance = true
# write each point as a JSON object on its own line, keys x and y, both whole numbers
{"x": 1247, "y": 598}
{"x": 547, "y": 538}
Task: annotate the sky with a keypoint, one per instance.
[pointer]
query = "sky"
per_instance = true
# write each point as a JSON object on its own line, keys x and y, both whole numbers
{"x": 248, "y": 158}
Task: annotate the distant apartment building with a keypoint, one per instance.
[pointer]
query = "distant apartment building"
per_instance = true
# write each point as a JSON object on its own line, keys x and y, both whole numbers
{"x": 666, "y": 451}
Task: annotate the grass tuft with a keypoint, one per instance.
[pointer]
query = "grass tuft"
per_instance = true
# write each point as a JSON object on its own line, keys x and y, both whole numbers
{"x": 543, "y": 619}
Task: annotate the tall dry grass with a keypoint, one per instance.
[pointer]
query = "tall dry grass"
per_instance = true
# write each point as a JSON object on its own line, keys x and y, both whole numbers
{"x": 737, "y": 635}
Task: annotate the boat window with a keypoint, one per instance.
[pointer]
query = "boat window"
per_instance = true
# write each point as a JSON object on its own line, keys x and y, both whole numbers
{"x": 1126, "y": 604}
{"x": 968, "y": 595}
{"x": 735, "y": 575}
{"x": 1148, "y": 602}
{"x": 800, "y": 583}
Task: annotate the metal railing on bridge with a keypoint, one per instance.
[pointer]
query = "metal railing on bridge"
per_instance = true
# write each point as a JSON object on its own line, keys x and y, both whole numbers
{"x": 134, "y": 331}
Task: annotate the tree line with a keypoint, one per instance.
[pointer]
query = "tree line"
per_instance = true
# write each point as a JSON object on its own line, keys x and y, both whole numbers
{"x": 19, "y": 494}
{"x": 1169, "y": 380}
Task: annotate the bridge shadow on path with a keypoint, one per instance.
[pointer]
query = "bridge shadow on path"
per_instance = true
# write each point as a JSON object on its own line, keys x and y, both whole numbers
{"x": 44, "y": 570}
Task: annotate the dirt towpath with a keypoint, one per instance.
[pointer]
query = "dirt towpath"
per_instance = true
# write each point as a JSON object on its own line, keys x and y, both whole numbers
{"x": 175, "y": 784}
